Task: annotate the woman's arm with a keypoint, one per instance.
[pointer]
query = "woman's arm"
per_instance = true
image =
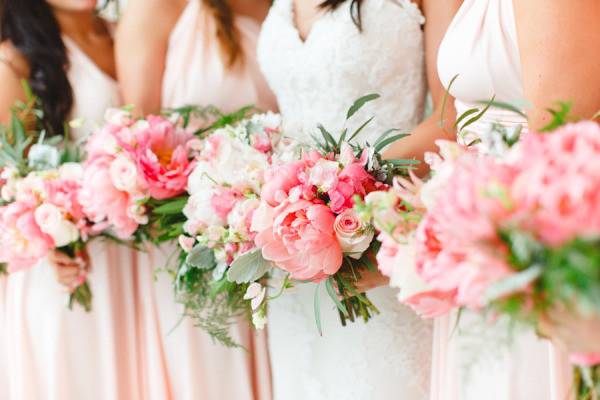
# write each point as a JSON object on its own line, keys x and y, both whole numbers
{"x": 13, "y": 68}
{"x": 141, "y": 48}
{"x": 559, "y": 42}
{"x": 424, "y": 136}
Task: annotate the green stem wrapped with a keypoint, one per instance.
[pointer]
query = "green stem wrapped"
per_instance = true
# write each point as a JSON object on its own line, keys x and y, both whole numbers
{"x": 82, "y": 294}
{"x": 587, "y": 382}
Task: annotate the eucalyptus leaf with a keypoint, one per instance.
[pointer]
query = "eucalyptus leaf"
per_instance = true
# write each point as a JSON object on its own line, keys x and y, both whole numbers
{"x": 317, "y": 307}
{"x": 248, "y": 267}
{"x": 334, "y": 296}
{"x": 201, "y": 257}
{"x": 359, "y": 103}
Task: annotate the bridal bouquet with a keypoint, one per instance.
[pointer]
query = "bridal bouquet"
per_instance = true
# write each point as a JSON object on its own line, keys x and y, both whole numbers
{"x": 306, "y": 225}
{"x": 40, "y": 210}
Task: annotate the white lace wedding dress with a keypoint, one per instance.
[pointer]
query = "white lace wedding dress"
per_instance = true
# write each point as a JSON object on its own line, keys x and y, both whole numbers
{"x": 315, "y": 81}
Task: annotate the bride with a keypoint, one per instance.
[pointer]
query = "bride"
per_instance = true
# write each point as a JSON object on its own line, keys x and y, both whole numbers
{"x": 318, "y": 58}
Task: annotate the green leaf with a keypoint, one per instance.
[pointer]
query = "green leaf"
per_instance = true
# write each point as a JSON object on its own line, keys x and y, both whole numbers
{"x": 248, "y": 267}
{"x": 328, "y": 138}
{"x": 513, "y": 284}
{"x": 359, "y": 130}
{"x": 332, "y": 293}
{"x": 384, "y": 135}
{"x": 481, "y": 114}
{"x": 445, "y": 101}
{"x": 358, "y": 104}
{"x": 175, "y": 206}
{"x": 386, "y": 142}
{"x": 342, "y": 137}
{"x": 201, "y": 257}
{"x": 465, "y": 115}
{"x": 317, "y": 306}
{"x": 400, "y": 162}
{"x": 507, "y": 106}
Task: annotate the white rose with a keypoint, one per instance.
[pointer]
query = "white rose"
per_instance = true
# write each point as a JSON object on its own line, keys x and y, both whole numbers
{"x": 124, "y": 174}
{"x": 239, "y": 164}
{"x": 200, "y": 213}
{"x": 353, "y": 237}
{"x": 51, "y": 221}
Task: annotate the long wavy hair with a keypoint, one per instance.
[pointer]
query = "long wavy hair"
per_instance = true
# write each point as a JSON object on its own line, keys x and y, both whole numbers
{"x": 354, "y": 9}
{"x": 227, "y": 34}
{"x": 31, "y": 27}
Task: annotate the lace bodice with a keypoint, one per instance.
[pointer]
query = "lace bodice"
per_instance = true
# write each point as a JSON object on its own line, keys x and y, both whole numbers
{"x": 317, "y": 79}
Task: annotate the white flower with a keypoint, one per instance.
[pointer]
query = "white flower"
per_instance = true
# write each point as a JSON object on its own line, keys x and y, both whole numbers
{"x": 259, "y": 319}
{"x": 201, "y": 178}
{"x": 124, "y": 174}
{"x": 43, "y": 156}
{"x": 268, "y": 120}
{"x": 256, "y": 294}
{"x": 137, "y": 212}
{"x": 405, "y": 276}
{"x": 51, "y": 221}
{"x": 117, "y": 116}
{"x": 71, "y": 171}
{"x": 239, "y": 218}
{"x": 353, "y": 237}
{"x": 199, "y": 212}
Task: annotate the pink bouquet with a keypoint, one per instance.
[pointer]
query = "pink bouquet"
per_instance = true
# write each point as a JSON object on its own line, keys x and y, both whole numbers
{"x": 130, "y": 162}
{"x": 42, "y": 214}
{"x": 306, "y": 224}
{"x": 217, "y": 242}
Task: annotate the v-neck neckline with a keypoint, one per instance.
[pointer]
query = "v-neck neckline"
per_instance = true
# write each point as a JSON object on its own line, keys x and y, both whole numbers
{"x": 293, "y": 23}
{"x": 75, "y": 47}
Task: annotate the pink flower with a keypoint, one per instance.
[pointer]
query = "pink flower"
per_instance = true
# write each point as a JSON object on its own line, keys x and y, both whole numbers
{"x": 163, "y": 157}
{"x": 352, "y": 180}
{"x": 224, "y": 199}
{"x": 585, "y": 359}
{"x": 280, "y": 180}
{"x": 353, "y": 237}
{"x": 559, "y": 182}
{"x": 22, "y": 243}
{"x": 262, "y": 142}
{"x": 299, "y": 238}
{"x": 431, "y": 304}
{"x": 103, "y": 203}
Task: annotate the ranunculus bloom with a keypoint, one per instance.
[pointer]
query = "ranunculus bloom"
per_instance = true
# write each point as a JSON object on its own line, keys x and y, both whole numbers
{"x": 163, "y": 158}
{"x": 299, "y": 238}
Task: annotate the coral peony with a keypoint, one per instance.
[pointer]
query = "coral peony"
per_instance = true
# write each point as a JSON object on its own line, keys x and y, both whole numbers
{"x": 299, "y": 237}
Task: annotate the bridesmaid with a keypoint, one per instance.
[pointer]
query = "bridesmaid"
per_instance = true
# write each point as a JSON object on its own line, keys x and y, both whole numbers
{"x": 542, "y": 52}
{"x": 66, "y": 53}
{"x": 195, "y": 52}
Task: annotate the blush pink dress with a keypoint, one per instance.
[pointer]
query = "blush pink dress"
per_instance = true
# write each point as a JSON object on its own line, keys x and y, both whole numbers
{"x": 475, "y": 360}
{"x": 57, "y": 354}
{"x": 181, "y": 361}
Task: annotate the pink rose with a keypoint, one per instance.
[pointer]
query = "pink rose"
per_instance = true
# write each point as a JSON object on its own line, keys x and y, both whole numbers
{"x": 299, "y": 238}
{"x": 353, "y": 237}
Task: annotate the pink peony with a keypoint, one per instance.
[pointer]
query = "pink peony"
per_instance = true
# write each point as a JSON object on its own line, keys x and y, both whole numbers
{"x": 559, "y": 182}
{"x": 299, "y": 238}
{"x": 22, "y": 243}
{"x": 280, "y": 180}
{"x": 103, "y": 203}
{"x": 163, "y": 157}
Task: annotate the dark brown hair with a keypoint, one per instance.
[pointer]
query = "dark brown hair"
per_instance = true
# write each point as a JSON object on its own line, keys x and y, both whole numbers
{"x": 227, "y": 34}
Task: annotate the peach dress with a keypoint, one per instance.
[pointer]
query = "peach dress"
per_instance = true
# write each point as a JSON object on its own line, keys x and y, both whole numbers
{"x": 475, "y": 360}
{"x": 181, "y": 361}
{"x": 51, "y": 352}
